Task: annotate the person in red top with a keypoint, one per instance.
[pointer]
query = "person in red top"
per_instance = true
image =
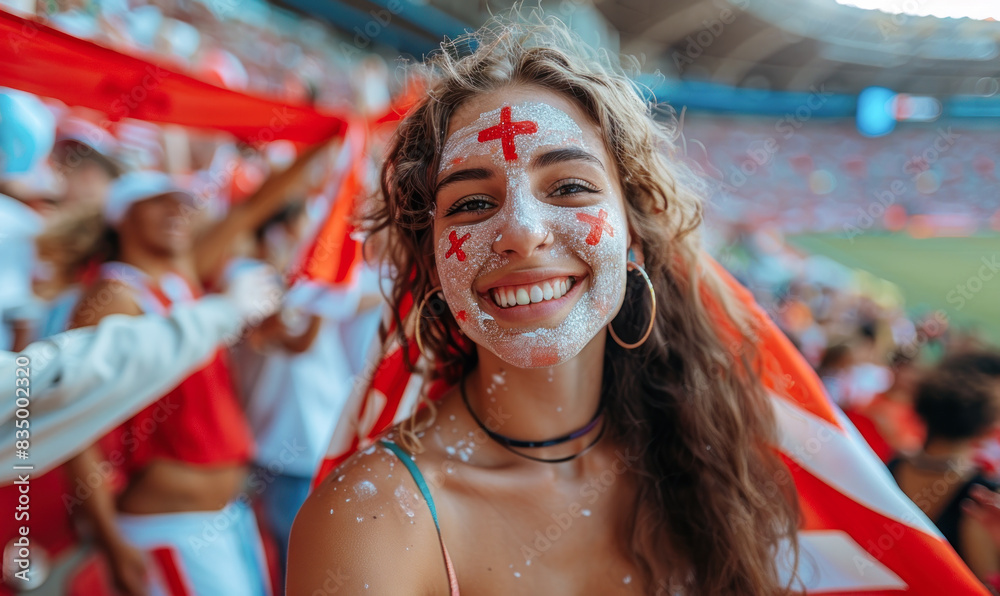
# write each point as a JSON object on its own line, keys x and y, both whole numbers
{"x": 176, "y": 521}
{"x": 891, "y": 412}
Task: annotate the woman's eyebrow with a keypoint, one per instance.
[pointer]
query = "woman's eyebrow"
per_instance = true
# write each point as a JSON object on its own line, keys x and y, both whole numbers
{"x": 566, "y": 154}
{"x": 466, "y": 174}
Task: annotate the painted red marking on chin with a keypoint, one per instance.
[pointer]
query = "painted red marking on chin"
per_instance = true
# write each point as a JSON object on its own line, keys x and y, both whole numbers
{"x": 506, "y": 131}
{"x": 460, "y": 315}
{"x": 598, "y": 225}
{"x": 456, "y": 245}
{"x": 544, "y": 357}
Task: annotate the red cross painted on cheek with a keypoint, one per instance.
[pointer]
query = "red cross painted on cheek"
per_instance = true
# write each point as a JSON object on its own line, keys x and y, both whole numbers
{"x": 598, "y": 225}
{"x": 456, "y": 245}
{"x": 461, "y": 316}
{"x": 506, "y": 131}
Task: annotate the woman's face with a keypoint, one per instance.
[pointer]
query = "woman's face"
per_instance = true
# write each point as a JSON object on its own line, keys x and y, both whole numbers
{"x": 529, "y": 226}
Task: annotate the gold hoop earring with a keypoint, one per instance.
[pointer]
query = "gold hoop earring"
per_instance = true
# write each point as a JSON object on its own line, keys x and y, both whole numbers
{"x": 420, "y": 309}
{"x": 632, "y": 266}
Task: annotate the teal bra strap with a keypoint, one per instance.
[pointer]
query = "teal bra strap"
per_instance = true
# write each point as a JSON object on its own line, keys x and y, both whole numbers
{"x": 417, "y": 477}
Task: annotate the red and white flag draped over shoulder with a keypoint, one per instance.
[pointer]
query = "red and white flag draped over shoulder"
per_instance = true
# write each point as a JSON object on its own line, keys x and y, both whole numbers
{"x": 860, "y": 534}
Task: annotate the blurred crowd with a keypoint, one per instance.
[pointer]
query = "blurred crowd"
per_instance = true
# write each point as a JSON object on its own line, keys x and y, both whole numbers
{"x": 853, "y": 328}
{"x": 189, "y": 211}
{"x": 922, "y": 391}
{"x": 65, "y": 246}
{"x": 823, "y": 176}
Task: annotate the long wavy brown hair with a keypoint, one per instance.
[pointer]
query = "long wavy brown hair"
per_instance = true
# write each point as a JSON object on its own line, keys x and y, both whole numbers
{"x": 688, "y": 400}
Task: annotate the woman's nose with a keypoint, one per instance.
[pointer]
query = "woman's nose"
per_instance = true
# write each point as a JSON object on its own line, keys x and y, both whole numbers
{"x": 523, "y": 230}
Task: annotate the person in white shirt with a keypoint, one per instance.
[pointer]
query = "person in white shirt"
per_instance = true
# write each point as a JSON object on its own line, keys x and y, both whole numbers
{"x": 86, "y": 381}
{"x": 294, "y": 405}
{"x": 27, "y": 130}
{"x": 296, "y": 401}
{"x": 304, "y": 367}
{"x": 18, "y": 227}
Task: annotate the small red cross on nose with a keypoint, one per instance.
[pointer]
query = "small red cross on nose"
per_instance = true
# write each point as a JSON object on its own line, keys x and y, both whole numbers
{"x": 456, "y": 246}
{"x": 597, "y": 226}
{"x": 506, "y": 131}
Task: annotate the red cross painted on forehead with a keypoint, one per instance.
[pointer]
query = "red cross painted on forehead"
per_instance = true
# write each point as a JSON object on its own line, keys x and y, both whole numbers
{"x": 506, "y": 131}
{"x": 598, "y": 225}
{"x": 456, "y": 246}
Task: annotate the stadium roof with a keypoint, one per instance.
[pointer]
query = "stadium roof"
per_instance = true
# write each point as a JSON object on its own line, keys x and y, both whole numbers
{"x": 765, "y": 44}
{"x": 768, "y": 44}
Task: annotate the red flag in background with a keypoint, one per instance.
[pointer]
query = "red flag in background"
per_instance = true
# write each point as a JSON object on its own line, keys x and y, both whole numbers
{"x": 404, "y": 102}
{"x": 335, "y": 249}
{"x": 331, "y": 257}
{"x": 49, "y": 63}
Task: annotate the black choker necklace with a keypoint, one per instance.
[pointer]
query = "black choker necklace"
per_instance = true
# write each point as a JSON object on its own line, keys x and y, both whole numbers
{"x": 510, "y": 444}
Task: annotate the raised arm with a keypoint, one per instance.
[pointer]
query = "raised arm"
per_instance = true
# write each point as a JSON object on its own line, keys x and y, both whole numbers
{"x": 213, "y": 247}
{"x": 86, "y": 381}
{"x": 274, "y": 331}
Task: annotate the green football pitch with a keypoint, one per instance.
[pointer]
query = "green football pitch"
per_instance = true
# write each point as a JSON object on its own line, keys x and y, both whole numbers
{"x": 960, "y": 276}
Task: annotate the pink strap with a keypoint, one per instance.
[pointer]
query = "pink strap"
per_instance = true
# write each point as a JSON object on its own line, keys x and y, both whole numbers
{"x": 452, "y": 578}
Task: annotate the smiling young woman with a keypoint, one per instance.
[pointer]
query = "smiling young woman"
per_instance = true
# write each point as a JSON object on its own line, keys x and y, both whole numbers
{"x": 533, "y": 192}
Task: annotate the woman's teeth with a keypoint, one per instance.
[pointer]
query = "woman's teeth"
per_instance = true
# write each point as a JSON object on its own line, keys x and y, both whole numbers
{"x": 551, "y": 289}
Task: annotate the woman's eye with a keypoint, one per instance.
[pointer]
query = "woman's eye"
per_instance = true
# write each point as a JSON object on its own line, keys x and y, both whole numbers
{"x": 470, "y": 206}
{"x": 572, "y": 188}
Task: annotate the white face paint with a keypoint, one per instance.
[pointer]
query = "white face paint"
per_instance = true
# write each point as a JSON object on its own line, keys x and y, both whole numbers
{"x": 579, "y": 235}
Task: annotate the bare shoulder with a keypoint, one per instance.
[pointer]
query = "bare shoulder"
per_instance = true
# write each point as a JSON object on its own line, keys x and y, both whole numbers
{"x": 104, "y": 297}
{"x": 365, "y": 527}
